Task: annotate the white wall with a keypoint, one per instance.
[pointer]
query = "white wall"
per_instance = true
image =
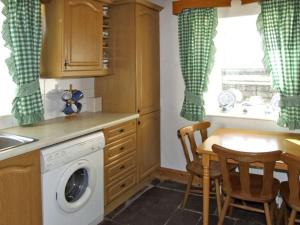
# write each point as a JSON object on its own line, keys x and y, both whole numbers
{"x": 172, "y": 89}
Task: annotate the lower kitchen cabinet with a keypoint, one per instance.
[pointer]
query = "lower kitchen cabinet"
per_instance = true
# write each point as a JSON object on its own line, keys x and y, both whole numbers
{"x": 148, "y": 134}
{"x": 120, "y": 162}
{"x": 131, "y": 156}
{"x": 20, "y": 190}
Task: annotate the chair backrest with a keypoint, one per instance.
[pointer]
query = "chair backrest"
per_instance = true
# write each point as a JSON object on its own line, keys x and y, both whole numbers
{"x": 187, "y": 134}
{"x": 244, "y": 161}
{"x": 293, "y": 163}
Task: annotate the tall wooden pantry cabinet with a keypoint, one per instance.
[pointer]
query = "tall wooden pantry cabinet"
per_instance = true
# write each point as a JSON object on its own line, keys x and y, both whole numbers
{"x": 134, "y": 85}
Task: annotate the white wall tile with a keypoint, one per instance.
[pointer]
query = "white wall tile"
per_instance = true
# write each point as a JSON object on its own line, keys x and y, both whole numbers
{"x": 94, "y": 104}
{"x": 50, "y": 84}
{"x": 88, "y": 93}
{"x": 6, "y": 121}
{"x": 42, "y": 86}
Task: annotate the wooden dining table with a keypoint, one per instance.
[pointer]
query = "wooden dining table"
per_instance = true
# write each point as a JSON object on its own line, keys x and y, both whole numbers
{"x": 247, "y": 141}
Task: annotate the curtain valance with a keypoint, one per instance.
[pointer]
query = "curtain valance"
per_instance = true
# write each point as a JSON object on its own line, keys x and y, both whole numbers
{"x": 180, "y": 5}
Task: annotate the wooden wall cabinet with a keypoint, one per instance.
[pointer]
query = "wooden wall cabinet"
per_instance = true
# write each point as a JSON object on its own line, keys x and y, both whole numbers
{"x": 74, "y": 38}
{"x": 134, "y": 85}
{"x": 20, "y": 190}
{"x": 148, "y": 60}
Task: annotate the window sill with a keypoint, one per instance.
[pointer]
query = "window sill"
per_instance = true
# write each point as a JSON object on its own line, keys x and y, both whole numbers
{"x": 240, "y": 115}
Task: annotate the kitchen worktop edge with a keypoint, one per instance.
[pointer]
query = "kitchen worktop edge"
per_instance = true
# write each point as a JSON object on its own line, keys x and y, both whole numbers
{"x": 62, "y": 129}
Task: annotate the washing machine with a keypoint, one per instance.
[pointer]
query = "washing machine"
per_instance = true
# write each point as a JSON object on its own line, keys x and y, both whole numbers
{"x": 72, "y": 181}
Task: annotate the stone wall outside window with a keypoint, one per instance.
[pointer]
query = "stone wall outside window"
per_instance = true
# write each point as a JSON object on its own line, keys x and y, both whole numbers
{"x": 251, "y": 82}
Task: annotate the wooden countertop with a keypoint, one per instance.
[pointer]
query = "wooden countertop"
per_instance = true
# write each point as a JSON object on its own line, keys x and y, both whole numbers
{"x": 61, "y": 129}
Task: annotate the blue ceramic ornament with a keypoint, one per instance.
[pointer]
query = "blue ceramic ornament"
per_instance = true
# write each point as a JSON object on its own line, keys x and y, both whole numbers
{"x": 71, "y": 98}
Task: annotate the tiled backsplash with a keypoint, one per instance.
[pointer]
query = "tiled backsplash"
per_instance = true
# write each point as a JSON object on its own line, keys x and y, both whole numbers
{"x": 52, "y": 91}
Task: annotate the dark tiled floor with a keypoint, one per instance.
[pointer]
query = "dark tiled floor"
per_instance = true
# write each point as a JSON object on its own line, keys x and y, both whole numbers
{"x": 159, "y": 204}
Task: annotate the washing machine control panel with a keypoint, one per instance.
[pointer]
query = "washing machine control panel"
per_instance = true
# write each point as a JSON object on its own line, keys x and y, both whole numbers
{"x": 58, "y": 155}
{"x": 54, "y": 157}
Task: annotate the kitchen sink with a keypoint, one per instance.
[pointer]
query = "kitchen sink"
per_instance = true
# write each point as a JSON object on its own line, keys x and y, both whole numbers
{"x": 8, "y": 141}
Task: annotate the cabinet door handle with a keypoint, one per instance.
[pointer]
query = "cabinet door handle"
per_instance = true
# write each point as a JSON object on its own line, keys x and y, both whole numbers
{"x": 66, "y": 63}
{"x": 122, "y": 167}
{"x": 123, "y": 185}
{"x": 122, "y": 148}
{"x": 139, "y": 122}
{"x": 121, "y": 131}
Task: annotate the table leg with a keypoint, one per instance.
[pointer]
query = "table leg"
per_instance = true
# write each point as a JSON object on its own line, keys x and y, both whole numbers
{"x": 206, "y": 188}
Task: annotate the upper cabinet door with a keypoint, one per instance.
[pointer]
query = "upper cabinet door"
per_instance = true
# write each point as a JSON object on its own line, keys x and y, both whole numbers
{"x": 83, "y": 35}
{"x": 148, "y": 68}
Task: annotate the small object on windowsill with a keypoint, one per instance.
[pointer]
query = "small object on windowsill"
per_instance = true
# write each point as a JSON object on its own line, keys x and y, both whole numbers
{"x": 226, "y": 100}
{"x": 72, "y": 97}
{"x": 225, "y": 108}
{"x": 245, "y": 110}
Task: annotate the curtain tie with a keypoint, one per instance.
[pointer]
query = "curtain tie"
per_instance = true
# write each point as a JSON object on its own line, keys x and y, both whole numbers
{"x": 28, "y": 89}
{"x": 290, "y": 101}
{"x": 194, "y": 98}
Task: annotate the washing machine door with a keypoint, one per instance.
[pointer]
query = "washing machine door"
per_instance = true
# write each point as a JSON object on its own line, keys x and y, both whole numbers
{"x": 76, "y": 186}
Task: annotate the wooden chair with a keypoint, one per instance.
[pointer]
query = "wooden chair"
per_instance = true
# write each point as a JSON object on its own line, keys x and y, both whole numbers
{"x": 245, "y": 186}
{"x": 194, "y": 163}
{"x": 290, "y": 190}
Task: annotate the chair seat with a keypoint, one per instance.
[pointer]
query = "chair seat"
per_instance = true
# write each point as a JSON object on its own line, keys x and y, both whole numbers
{"x": 197, "y": 169}
{"x": 285, "y": 193}
{"x": 256, "y": 184}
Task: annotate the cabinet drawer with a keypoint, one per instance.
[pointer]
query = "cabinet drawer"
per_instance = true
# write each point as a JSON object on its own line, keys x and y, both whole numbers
{"x": 119, "y": 131}
{"x": 113, "y": 191}
{"x": 120, "y": 148}
{"x": 120, "y": 167}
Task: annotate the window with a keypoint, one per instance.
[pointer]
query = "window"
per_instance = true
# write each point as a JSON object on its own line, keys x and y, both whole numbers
{"x": 239, "y": 68}
{"x": 7, "y": 86}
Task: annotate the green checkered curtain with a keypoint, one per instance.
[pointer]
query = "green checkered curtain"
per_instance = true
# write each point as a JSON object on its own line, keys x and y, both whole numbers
{"x": 197, "y": 28}
{"x": 22, "y": 34}
{"x": 279, "y": 24}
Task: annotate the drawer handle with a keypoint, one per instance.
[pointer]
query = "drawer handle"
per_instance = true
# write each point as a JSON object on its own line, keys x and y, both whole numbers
{"x": 122, "y": 167}
{"x": 122, "y": 148}
{"x": 123, "y": 185}
{"x": 121, "y": 130}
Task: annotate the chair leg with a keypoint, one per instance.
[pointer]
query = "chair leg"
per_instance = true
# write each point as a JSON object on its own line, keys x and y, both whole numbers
{"x": 218, "y": 196}
{"x": 281, "y": 214}
{"x": 224, "y": 210}
{"x": 267, "y": 213}
{"x": 285, "y": 215}
{"x": 273, "y": 211}
{"x": 292, "y": 217}
{"x": 230, "y": 211}
{"x": 188, "y": 188}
